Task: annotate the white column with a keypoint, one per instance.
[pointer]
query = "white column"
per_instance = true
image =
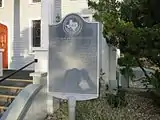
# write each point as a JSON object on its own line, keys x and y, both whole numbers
{"x": 112, "y": 68}
{"x": 118, "y": 55}
{"x": 52, "y": 20}
{"x": 38, "y": 78}
{"x": 52, "y": 12}
{"x": 17, "y": 59}
{"x": 48, "y": 17}
{"x": 104, "y": 59}
{"x": 71, "y": 108}
{"x": 118, "y": 68}
{"x": 44, "y": 27}
{"x": 1, "y": 62}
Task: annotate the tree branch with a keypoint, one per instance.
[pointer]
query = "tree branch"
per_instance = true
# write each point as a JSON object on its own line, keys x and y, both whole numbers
{"x": 140, "y": 65}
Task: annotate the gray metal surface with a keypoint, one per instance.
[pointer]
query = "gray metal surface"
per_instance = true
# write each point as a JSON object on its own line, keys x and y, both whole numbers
{"x": 25, "y": 99}
{"x": 74, "y": 56}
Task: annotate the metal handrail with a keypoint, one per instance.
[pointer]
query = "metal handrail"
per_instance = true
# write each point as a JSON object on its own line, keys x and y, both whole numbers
{"x": 35, "y": 61}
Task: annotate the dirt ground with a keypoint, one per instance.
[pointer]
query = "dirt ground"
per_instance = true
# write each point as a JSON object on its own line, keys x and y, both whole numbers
{"x": 140, "y": 106}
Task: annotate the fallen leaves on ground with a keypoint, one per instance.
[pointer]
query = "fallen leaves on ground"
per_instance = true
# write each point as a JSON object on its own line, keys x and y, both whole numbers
{"x": 138, "y": 108}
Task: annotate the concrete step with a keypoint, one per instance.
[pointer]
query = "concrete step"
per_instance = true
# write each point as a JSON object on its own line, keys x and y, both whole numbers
{"x": 15, "y": 83}
{"x": 20, "y": 80}
{"x": 4, "y": 104}
{"x": 2, "y": 110}
{"x": 9, "y": 89}
{"x": 6, "y": 96}
{"x": 3, "y": 107}
{"x": 24, "y": 74}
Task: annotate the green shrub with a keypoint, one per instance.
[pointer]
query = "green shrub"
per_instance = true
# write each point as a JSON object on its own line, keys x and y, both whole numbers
{"x": 117, "y": 100}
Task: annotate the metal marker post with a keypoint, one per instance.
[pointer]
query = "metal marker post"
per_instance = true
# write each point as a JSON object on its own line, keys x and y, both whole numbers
{"x": 71, "y": 107}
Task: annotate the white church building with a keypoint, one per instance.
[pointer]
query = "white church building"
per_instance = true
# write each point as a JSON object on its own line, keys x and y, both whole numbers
{"x": 24, "y": 33}
{"x": 20, "y": 27}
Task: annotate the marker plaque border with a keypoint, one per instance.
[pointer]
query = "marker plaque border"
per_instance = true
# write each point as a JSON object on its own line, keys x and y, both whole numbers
{"x": 78, "y": 96}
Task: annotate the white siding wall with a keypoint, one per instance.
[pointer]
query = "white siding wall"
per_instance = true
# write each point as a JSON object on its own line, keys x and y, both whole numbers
{"x": 28, "y": 12}
{"x": 6, "y": 18}
{"x": 20, "y": 47}
{"x": 73, "y": 6}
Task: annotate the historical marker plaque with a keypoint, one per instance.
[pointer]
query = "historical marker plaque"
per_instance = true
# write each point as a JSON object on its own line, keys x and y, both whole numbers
{"x": 74, "y": 58}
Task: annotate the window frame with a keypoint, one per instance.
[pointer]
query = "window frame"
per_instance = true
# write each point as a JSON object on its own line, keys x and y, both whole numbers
{"x": 31, "y": 47}
{"x": 33, "y": 3}
{"x": 2, "y": 4}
